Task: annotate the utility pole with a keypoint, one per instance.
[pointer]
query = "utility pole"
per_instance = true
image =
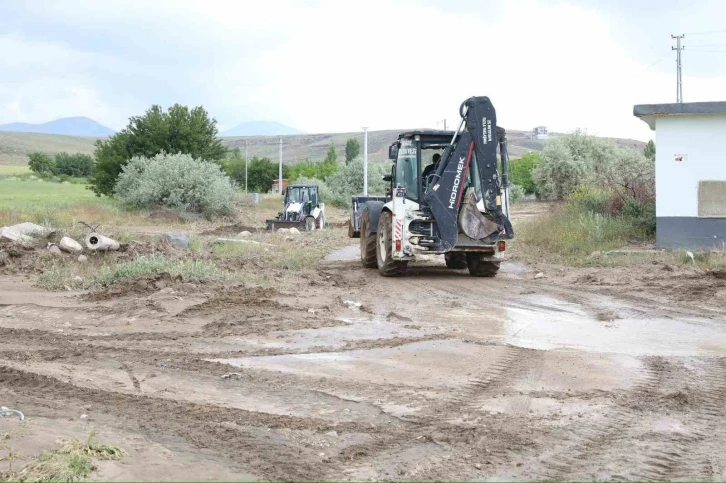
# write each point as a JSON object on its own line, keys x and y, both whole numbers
{"x": 679, "y": 78}
{"x": 246, "y": 162}
{"x": 365, "y": 161}
{"x": 279, "y": 172}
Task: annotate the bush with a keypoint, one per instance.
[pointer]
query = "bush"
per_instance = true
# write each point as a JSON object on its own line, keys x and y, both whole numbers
{"x": 521, "y": 172}
{"x": 41, "y": 163}
{"x": 176, "y": 181}
{"x": 179, "y": 130}
{"x": 74, "y": 165}
{"x": 348, "y": 181}
{"x": 516, "y": 193}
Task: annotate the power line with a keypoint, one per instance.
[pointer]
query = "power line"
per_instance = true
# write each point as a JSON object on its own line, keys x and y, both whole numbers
{"x": 708, "y": 32}
{"x": 706, "y": 45}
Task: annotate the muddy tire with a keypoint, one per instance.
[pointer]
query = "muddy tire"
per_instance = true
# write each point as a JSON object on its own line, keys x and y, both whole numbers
{"x": 481, "y": 265}
{"x": 367, "y": 243}
{"x": 455, "y": 260}
{"x": 309, "y": 223}
{"x": 387, "y": 266}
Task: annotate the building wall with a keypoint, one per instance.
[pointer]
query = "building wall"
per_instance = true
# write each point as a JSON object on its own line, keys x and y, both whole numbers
{"x": 701, "y": 139}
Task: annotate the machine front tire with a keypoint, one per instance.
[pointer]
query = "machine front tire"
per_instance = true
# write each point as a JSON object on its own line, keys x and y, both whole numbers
{"x": 309, "y": 223}
{"x": 455, "y": 260}
{"x": 481, "y": 265}
{"x": 367, "y": 243}
{"x": 387, "y": 265}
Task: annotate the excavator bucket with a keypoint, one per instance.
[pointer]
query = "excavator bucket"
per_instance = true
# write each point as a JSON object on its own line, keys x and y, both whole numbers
{"x": 473, "y": 223}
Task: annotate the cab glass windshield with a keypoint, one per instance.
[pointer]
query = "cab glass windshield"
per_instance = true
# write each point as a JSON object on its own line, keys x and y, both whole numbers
{"x": 407, "y": 168}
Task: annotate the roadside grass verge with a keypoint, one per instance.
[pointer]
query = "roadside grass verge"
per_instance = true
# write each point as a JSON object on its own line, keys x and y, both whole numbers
{"x": 570, "y": 236}
{"x": 71, "y": 275}
{"x": 188, "y": 270}
{"x": 71, "y": 461}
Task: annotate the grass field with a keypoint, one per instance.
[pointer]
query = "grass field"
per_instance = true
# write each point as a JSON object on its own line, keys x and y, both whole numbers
{"x": 13, "y": 169}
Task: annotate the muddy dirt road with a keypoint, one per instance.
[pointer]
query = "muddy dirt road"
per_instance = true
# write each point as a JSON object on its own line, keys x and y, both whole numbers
{"x": 435, "y": 376}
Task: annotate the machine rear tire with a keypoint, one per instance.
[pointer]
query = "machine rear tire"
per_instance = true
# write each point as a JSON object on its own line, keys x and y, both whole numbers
{"x": 387, "y": 265}
{"x": 351, "y": 232}
{"x": 481, "y": 265}
{"x": 455, "y": 260}
{"x": 367, "y": 243}
{"x": 309, "y": 223}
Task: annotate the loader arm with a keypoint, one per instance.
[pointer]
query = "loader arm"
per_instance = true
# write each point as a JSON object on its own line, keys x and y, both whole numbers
{"x": 478, "y": 135}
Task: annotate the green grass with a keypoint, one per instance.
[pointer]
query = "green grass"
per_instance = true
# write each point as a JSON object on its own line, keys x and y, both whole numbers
{"x": 192, "y": 270}
{"x": 571, "y": 236}
{"x": 54, "y": 204}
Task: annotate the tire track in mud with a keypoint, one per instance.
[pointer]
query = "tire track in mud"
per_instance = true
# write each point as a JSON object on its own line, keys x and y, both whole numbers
{"x": 513, "y": 364}
{"x": 240, "y": 435}
{"x": 566, "y": 462}
{"x": 686, "y": 455}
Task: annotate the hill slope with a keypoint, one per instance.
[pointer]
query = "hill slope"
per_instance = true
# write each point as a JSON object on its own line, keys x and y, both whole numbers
{"x": 67, "y": 126}
{"x": 315, "y": 146}
{"x": 259, "y": 128}
{"x": 15, "y": 147}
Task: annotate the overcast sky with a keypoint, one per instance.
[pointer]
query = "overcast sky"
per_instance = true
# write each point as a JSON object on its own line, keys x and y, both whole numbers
{"x": 337, "y": 65}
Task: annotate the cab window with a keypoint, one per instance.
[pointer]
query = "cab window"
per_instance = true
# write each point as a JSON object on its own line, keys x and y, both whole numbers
{"x": 407, "y": 168}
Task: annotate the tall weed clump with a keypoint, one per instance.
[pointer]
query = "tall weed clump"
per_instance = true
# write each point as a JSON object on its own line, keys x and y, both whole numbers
{"x": 176, "y": 181}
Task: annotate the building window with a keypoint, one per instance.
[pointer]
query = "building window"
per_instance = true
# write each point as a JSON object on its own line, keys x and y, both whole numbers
{"x": 712, "y": 199}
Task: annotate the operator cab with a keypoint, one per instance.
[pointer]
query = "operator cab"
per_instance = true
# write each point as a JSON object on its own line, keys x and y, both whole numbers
{"x": 301, "y": 193}
{"x": 413, "y": 156}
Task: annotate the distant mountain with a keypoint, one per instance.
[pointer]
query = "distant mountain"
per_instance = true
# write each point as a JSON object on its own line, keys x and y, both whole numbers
{"x": 260, "y": 128}
{"x": 67, "y": 126}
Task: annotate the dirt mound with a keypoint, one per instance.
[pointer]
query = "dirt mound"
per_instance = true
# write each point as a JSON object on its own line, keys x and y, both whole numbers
{"x": 135, "y": 286}
{"x": 233, "y": 298}
{"x": 166, "y": 215}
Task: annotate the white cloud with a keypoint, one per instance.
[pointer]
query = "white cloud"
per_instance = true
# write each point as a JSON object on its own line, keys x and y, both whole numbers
{"x": 335, "y": 66}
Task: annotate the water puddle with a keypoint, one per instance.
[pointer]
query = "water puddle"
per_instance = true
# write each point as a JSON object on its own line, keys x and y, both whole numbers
{"x": 435, "y": 364}
{"x": 355, "y": 330}
{"x": 571, "y": 328}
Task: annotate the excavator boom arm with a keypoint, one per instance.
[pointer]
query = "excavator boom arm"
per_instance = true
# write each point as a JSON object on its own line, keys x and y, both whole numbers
{"x": 478, "y": 134}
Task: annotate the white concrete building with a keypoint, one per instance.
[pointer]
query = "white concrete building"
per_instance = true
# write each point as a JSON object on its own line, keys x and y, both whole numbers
{"x": 690, "y": 167}
{"x": 540, "y": 132}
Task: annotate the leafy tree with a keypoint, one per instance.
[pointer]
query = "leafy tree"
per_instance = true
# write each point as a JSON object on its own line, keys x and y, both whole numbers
{"x": 178, "y": 130}
{"x": 332, "y": 155}
{"x": 77, "y": 165}
{"x": 234, "y": 166}
{"x": 41, "y": 163}
{"x": 261, "y": 173}
{"x": 352, "y": 150}
{"x": 650, "y": 150}
{"x": 520, "y": 172}
{"x": 311, "y": 169}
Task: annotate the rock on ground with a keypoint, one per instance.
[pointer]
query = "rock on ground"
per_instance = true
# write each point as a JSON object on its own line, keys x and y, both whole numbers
{"x": 178, "y": 239}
